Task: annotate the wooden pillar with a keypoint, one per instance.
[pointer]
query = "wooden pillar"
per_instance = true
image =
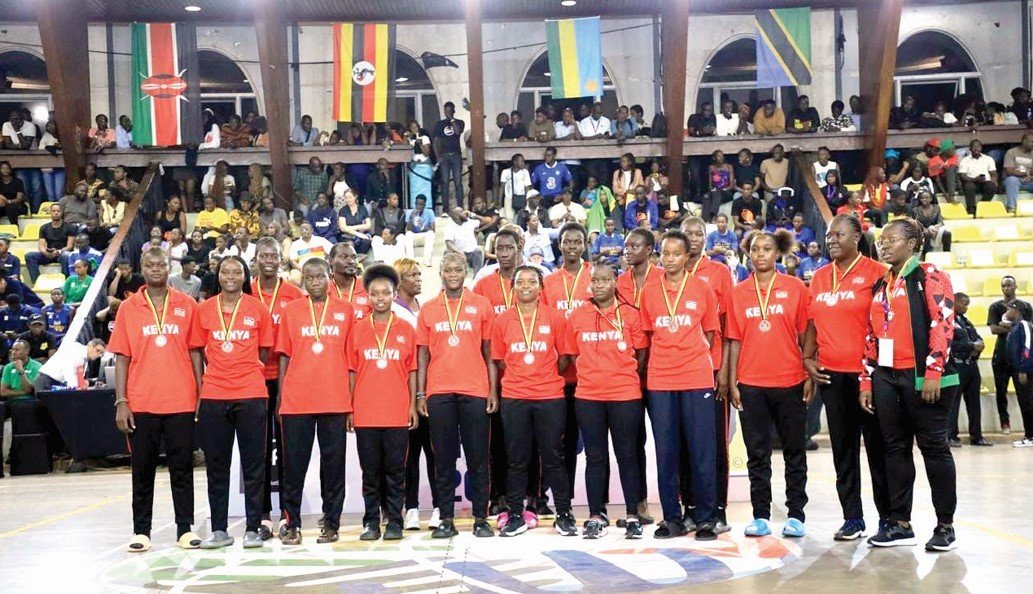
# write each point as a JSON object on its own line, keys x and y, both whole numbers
{"x": 64, "y": 34}
{"x": 674, "y": 41}
{"x": 271, "y": 29}
{"x": 475, "y": 65}
{"x": 878, "y": 30}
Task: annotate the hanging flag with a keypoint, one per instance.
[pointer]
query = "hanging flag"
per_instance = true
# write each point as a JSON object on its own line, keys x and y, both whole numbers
{"x": 575, "y": 58}
{"x": 364, "y": 71}
{"x": 784, "y": 47}
{"x": 166, "y": 84}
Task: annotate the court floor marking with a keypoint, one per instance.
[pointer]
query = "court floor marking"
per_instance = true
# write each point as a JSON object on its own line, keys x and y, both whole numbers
{"x": 64, "y": 515}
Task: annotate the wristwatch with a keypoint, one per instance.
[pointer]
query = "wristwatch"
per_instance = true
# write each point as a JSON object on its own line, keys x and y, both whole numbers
{"x": 421, "y": 395}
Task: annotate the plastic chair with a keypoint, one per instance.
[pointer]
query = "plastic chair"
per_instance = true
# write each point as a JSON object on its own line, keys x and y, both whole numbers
{"x": 48, "y": 281}
{"x": 976, "y": 313}
{"x": 31, "y": 232}
{"x": 991, "y": 286}
{"x": 44, "y": 208}
{"x": 981, "y": 259}
{"x": 943, "y": 260}
{"x": 1020, "y": 259}
{"x": 967, "y": 234}
{"x": 12, "y": 230}
{"x": 954, "y": 212}
{"x": 959, "y": 282}
{"x": 1003, "y": 232}
{"x": 991, "y": 210}
{"x": 1024, "y": 208}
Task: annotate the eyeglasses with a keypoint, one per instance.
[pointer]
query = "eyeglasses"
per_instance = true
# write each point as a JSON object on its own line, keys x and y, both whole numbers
{"x": 889, "y": 240}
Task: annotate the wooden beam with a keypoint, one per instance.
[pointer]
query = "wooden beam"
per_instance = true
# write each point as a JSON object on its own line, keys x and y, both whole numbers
{"x": 271, "y": 29}
{"x": 475, "y": 65}
{"x": 878, "y": 30}
{"x": 675, "y": 40}
{"x": 64, "y": 35}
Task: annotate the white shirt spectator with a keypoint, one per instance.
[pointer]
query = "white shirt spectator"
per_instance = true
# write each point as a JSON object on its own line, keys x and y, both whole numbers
{"x": 28, "y": 130}
{"x": 302, "y": 251}
{"x": 419, "y": 157}
{"x": 176, "y": 253}
{"x": 463, "y": 235}
{"x": 388, "y": 253}
{"x": 560, "y": 210}
{"x": 563, "y": 129}
{"x": 820, "y": 171}
{"x": 249, "y": 252}
{"x": 974, "y": 167}
{"x": 727, "y": 126}
{"x": 593, "y": 127}
{"x": 69, "y": 362}
{"x": 541, "y": 240}
{"x": 514, "y": 184}
{"x": 212, "y": 140}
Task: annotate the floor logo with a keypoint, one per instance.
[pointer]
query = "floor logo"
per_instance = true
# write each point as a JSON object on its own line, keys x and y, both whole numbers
{"x": 535, "y": 562}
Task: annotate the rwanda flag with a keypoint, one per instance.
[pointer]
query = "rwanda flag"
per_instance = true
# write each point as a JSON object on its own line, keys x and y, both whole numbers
{"x": 784, "y": 47}
{"x": 166, "y": 84}
{"x": 364, "y": 71}
{"x": 575, "y": 58}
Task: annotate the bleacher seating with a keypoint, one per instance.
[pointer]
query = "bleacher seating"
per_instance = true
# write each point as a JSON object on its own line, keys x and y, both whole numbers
{"x": 967, "y": 234}
{"x": 10, "y": 230}
{"x": 943, "y": 260}
{"x": 1005, "y": 232}
{"x": 991, "y": 209}
{"x": 952, "y": 212}
{"x": 44, "y": 209}
{"x": 31, "y": 231}
{"x": 48, "y": 281}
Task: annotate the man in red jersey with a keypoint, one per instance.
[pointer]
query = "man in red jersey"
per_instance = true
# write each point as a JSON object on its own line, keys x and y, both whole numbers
{"x": 345, "y": 282}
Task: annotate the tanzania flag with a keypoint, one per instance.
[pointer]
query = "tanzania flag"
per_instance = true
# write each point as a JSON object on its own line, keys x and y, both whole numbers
{"x": 166, "y": 84}
{"x": 784, "y": 47}
{"x": 575, "y": 58}
{"x": 364, "y": 71}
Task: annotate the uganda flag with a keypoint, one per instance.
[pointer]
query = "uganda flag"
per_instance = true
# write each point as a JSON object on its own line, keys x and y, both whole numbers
{"x": 364, "y": 71}
{"x": 784, "y": 47}
{"x": 166, "y": 84}
{"x": 575, "y": 58}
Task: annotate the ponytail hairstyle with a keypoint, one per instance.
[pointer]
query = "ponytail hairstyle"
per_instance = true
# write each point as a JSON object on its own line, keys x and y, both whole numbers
{"x": 911, "y": 229}
{"x": 783, "y": 238}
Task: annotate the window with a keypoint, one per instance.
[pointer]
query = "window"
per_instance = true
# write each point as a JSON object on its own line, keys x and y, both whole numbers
{"x": 225, "y": 89}
{"x": 415, "y": 98}
{"x": 24, "y": 83}
{"x": 732, "y": 75}
{"x": 536, "y": 91}
{"x": 933, "y": 66}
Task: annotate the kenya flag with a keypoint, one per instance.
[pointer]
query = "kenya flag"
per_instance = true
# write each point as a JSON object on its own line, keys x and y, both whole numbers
{"x": 166, "y": 85}
{"x": 364, "y": 71}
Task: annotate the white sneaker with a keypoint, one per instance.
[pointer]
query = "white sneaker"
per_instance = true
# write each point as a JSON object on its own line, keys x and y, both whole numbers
{"x": 412, "y": 519}
{"x": 435, "y": 518}
{"x": 1022, "y": 443}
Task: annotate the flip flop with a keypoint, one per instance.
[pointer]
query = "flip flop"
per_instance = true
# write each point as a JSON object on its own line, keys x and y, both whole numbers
{"x": 140, "y": 543}
{"x": 189, "y": 540}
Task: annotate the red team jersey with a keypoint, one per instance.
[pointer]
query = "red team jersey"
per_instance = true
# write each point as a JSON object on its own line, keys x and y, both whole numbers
{"x": 357, "y": 296}
{"x": 528, "y": 379}
{"x": 841, "y": 316}
{"x": 772, "y": 358}
{"x": 497, "y": 290}
{"x": 626, "y": 289}
{"x": 604, "y": 371}
{"x": 719, "y": 278}
{"x": 285, "y": 293}
{"x": 456, "y": 366}
{"x": 234, "y": 369}
{"x": 381, "y": 397}
{"x": 567, "y": 292}
{"x": 680, "y": 360}
{"x": 316, "y": 383}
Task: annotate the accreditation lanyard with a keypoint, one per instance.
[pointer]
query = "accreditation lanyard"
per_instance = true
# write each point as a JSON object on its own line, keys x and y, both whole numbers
{"x": 382, "y": 340}
{"x": 837, "y": 281}
{"x": 528, "y": 333}
{"x": 672, "y": 308}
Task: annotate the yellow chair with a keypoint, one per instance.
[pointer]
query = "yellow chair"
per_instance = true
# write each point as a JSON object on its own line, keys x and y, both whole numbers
{"x": 1024, "y": 208}
{"x": 1004, "y": 232}
{"x": 31, "y": 232}
{"x": 992, "y": 286}
{"x": 966, "y": 234}
{"x": 988, "y": 346}
{"x": 11, "y": 230}
{"x": 943, "y": 260}
{"x": 981, "y": 259}
{"x": 1020, "y": 259}
{"x": 853, "y": 187}
{"x": 44, "y": 208}
{"x": 977, "y": 314}
{"x": 48, "y": 281}
{"x": 991, "y": 210}
{"x": 955, "y": 212}
{"x": 959, "y": 282}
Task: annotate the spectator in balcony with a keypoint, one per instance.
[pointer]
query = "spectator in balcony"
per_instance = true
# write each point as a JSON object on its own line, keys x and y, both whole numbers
{"x": 855, "y": 111}
{"x": 258, "y": 185}
{"x": 567, "y": 127}
{"x": 101, "y": 136}
{"x": 513, "y": 127}
{"x": 212, "y": 131}
{"x": 803, "y": 119}
{"x": 515, "y": 182}
{"x": 939, "y": 117}
{"x": 542, "y": 129}
{"x": 9, "y": 263}
{"x": 246, "y": 216}
{"x": 18, "y": 133}
{"x": 703, "y": 123}
{"x": 567, "y": 211}
{"x": 623, "y": 127}
{"x": 834, "y": 192}
{"x": 1021, "y": 105}
{"x": 838, "y": 121}
{"x": 78, "y": 208}
{"x": 596, "y": 125}
{"x": 337, "y": 184}
{"x": 419, "y": 229}
{"x": 1018, "y": 171}
{"x": 727, "y": 121}
{"x": 643, "y": 211}
{"x": 78, "y": 283}
{"x": 746, "y": 170}
{"x": 446, "y": 140}
{"x": 304, "y": 134}
{"x": 916, "y": 183}
{"x": 769, "y": 119}
{"x": 823, "y": 165}
{"x": 323, "y": 218}
{"x": 219, "y": 184}
{"x": 121, "y": 185}
{"x": 171, "y": 217}
{"x": 55, "y": 241}
{"x": 235, "y": 134}
{"x": 601, "y": 204}
{"x": 260, "y": 132}
{"x": 638, "y": 116}
{"x": 391, "y": 215}
{"x": 943, "y": 170}
{"x": 124, "y": 133}
{"x": 379, "y": 184}
{"x": 745, "y": 119}
{"x": 626, "y": 179}
{"x": 608, "y": 245}
{"x": 746, "y": 209}
{"x": 53, "y": 177}
{"x": 12, "y": 193}
{"x": 309, "y": 182}
{"x": 876, "y": 190}
{"x": 721, "y": 185}
{"x": 81, "y": 250}
{"x": 354, "y": 223}
{"x": 774, "y": 172}
{"x": 812, "y": 261}
{"x": 927, "y": 212}
{"x": 906, "y": 116}
{"x": 212, "y": 221}
{"x": 978, "y": 174}
{"x": 551, "y": 178}
{"x": 998, "y": 115}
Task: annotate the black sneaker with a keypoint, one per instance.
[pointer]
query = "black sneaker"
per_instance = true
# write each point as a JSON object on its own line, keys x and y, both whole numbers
{"x": 515, "y": 526}
{"x": 632, "y": 529}
{"x": 481, "y": 529}
{"x": 446, "y": 529}
{"x": 670, "y": 530}
{"x": 687, "y": 519}
{"x": 543, "y": 510}
{"x": 371, "y": 532}
{"x": 394, "y": 531}
{"x": 706, "y": 531}
{"x": 264, "y": 532}
{"x": 721, "y": 526}
{"x": 942, "y": 540}
{"x": 851, "y": 529}
{"x": 565, "y": 524}
{"x": 981, "y": 442}
{"x": 811, "y": 445}
{"x": 954, "y": 442}
{"x": 594, "y": 529}
{"x": 605, "y": 519}
{"x": 894, "y": 535}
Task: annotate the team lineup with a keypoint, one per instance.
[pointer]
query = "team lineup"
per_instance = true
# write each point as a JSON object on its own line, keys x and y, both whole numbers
{"x": 513, "y": 370}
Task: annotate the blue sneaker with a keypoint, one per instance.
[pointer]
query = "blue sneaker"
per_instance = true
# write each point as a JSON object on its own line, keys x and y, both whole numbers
{"x": 758, "y": 527}
{"x": 794, "y": 529}
{"x": 852, "y": 529}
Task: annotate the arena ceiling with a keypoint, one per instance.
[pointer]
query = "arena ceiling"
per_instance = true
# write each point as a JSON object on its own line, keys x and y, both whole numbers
{"x": 407, "y": 10}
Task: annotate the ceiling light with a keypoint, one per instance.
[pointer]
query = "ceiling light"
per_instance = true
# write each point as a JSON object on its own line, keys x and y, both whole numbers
{"x": 192, "y": 8}
{"x": 569, "y": 2}
{"x": 402, "y": 79}
{"x": 548, "y": 74}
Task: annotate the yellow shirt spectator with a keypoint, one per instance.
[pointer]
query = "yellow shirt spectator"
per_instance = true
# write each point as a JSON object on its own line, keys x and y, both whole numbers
{"x": 212, "y": 221}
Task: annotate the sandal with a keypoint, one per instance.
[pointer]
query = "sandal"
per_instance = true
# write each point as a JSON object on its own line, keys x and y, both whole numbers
{"x": 140, "y": 543}
{"x": 189, "y": 540}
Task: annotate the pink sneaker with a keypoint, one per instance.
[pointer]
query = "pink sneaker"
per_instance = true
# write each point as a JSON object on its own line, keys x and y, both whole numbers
{"x": 502, "y": 520}
{"x": 531, "y": 519}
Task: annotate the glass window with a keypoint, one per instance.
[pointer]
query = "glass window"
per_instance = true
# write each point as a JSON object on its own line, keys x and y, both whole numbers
{"x": 23, "y": 73}
{"x": 735, "y": 62}
{"x": 220, "y": 74}
{"x": 932, "y": 52}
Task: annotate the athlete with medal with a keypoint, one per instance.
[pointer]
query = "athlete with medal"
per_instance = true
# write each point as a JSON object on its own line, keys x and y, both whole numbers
{"x": 345, "y": 282}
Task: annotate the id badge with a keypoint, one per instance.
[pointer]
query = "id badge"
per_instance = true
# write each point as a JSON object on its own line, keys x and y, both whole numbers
{"x": 885, "y": 352}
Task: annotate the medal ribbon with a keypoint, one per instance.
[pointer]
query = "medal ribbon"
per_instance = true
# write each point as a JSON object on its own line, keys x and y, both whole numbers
{"x": 696, "y": 266}
{"x": 618, "y": 325}
{"x": 528, "y": 331}
{"x": 673, "y": 309}
{"x": 453, "y": 321}
{"x": 222, "y": 317}
{"x": 638, "y": 288}
{"x": 154, "y": 311}
{"x": 312, "y": 310}
{"x": 891, "y": 286}
{"x": 382, "y": 342}
{"x": 276, "y": 291}
{"x": 837, "y": 281}
{"x": 763, "y": 301}
{"x": 351, "y": 292}
{"x": 569, "y": 292}
{"x": 507, "y": 299}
